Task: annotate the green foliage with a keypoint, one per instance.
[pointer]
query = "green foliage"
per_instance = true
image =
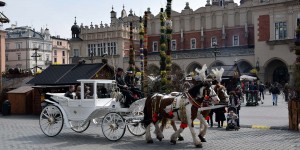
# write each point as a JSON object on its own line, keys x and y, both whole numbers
{"x": 253, "y": 71}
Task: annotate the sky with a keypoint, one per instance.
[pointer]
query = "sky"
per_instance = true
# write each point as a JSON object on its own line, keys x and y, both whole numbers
{"x": 58, "y": 15}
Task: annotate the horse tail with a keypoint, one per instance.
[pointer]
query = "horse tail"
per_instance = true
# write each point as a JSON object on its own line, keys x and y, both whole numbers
{"x": 147, "y": 111}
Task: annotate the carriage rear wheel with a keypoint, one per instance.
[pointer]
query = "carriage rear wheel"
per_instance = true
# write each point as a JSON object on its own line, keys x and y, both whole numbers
{"x": 80, "y": 129}
{"x": 113, "y": 126}
{"x": 51, "y": 120}
{"x": 136, "y": 128}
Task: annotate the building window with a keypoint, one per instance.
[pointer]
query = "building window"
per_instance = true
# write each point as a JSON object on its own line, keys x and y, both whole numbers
{"x": 40, "y": 56}
{"x": 18, "y": 45}
{"x": 263, "y": 1}
{"x": 213, "y": 40}
{"x": 55, "y": 60}
{"x": 47, "y": 57}
{"x": 193, "y": 43}
{"x": 104, "y": 48}
{"x": 63, "y": 53}
{"x": 280, "y": 30}
{"x": 6, "y": 45}
{"x": 111, "y": 48}
{"x": 6, "y": 57}
{"x": 173, "y": 45}
{"x": 76, "y": 52}
{"x": 55, "y": 52}
{"x": 19, "y": 56}
{"x": 34, "y": 45}
{"x": 235, "y": 41}
{"x": 91, "y": 49}
{"x": 63, "y": 61}
{"x": 154, "y": 46}
{"x": 99, "y": 49}
{"x": 48, "y": 47}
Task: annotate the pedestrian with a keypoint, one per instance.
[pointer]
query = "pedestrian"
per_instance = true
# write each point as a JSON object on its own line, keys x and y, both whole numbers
{"x": 275, "y": 91}
{"x": 261, "y": 89}
{"x": 286, "y": 92}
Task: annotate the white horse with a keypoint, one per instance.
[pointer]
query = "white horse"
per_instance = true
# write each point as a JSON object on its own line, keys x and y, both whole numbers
{"x": 185, "y": 106}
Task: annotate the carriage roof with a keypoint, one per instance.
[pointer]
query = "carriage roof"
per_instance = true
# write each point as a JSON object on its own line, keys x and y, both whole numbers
{"x": 105, "y": 81}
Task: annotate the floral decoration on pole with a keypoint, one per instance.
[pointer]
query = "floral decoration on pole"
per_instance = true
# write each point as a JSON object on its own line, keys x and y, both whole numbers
{"x": 297, "y": 64}
{"x": 131, "y": 51}
{"x": 142, "y": 33}
{"x": 163, "y": 48}
{"x": 169, "y": 37}
{"x": 145, "y": 52}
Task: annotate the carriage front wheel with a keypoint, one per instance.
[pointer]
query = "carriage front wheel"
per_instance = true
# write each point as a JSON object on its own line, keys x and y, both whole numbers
{"x": 113, "y": 126}
{"x": 79, "y": 128}
{"x": 136, "y": 128}
{"x": 51, "y": 120}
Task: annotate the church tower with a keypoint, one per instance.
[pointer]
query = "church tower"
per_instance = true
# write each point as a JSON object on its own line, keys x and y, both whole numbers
{"x": 75, "y": 30}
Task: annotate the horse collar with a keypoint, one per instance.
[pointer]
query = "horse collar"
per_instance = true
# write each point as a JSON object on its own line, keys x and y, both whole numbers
{"x": 192, "y": 100}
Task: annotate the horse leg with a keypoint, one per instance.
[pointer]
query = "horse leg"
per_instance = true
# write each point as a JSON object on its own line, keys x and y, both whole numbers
{"x": 175, "y": 135}
{"x": 203, "y": 127}
{"x": 197, "y": 143}
{"x": 148, "y": 135}
{"x": 180, "y": 138}
{"x": 158, "y": 132}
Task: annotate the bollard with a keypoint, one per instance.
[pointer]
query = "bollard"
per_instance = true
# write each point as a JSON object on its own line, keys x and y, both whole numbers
{"x": 6, "y": 108}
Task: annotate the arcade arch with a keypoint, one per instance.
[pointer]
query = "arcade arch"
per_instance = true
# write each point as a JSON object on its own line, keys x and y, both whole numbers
{"x": 244, "y": 66}
{"x": 276, "y": 70}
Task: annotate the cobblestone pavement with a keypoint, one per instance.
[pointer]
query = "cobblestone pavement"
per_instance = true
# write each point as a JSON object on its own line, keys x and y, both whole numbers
{"x": 23, "y": 133}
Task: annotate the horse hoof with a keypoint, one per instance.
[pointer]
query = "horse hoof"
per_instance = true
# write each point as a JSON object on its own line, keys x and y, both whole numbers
{"x": 202, "y": 138}
{"x": 173, "y": 142}
{"x": 199, "y": 146}
{"x": 180, "y": 139}
{"x": 150, "y": 141}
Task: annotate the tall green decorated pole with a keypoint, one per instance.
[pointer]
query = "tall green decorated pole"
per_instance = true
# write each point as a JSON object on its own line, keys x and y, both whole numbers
{"x": 131, "y": 51}
{"x": 169, "y": 37}
{"x": 145, "y": 51}
{"x": 297, "y": 64}
{"x": 163, "y": 55}
{"x": 142, "y": 33}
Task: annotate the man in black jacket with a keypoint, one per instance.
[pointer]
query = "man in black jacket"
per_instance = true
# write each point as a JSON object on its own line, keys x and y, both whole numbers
{"x": 123, "y": 87}
{"x": 70, "y": 91}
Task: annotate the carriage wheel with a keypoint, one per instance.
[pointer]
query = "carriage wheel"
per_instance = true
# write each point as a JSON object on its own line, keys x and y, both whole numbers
{"x": 80, "y": 129}
{"x": 51, "y": 120}
{"x": 136, "y": 128}
{"x": 113, "y": 126}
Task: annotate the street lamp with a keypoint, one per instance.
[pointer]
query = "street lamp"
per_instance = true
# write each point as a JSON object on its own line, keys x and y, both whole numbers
{"x": 257, "y": 65}
{"x": 35, "y": 55}
{"x": 216, "y": 50}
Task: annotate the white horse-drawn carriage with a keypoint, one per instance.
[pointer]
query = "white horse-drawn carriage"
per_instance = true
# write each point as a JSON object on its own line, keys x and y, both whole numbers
{"x": 77, "y": 114}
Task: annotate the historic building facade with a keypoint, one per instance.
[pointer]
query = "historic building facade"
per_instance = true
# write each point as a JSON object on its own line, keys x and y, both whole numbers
{"x": 256, "y": 34}
{"x": 94, "y": 42}
{"x": 19, "y": 48}
{"x": 60, "y": 50}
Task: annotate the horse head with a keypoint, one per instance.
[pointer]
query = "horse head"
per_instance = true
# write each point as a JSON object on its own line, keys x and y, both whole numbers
{"x": 221, "y": 92}
{"x": 204, "y": 91}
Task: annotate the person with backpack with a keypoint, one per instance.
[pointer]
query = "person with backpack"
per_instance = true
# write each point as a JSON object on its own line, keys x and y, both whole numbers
{"x": 275, "y": 91}
{"x": 261, "y": 89}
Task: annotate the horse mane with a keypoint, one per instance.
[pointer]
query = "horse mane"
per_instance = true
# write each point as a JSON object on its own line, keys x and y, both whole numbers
{"x": 195, "y": 90}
